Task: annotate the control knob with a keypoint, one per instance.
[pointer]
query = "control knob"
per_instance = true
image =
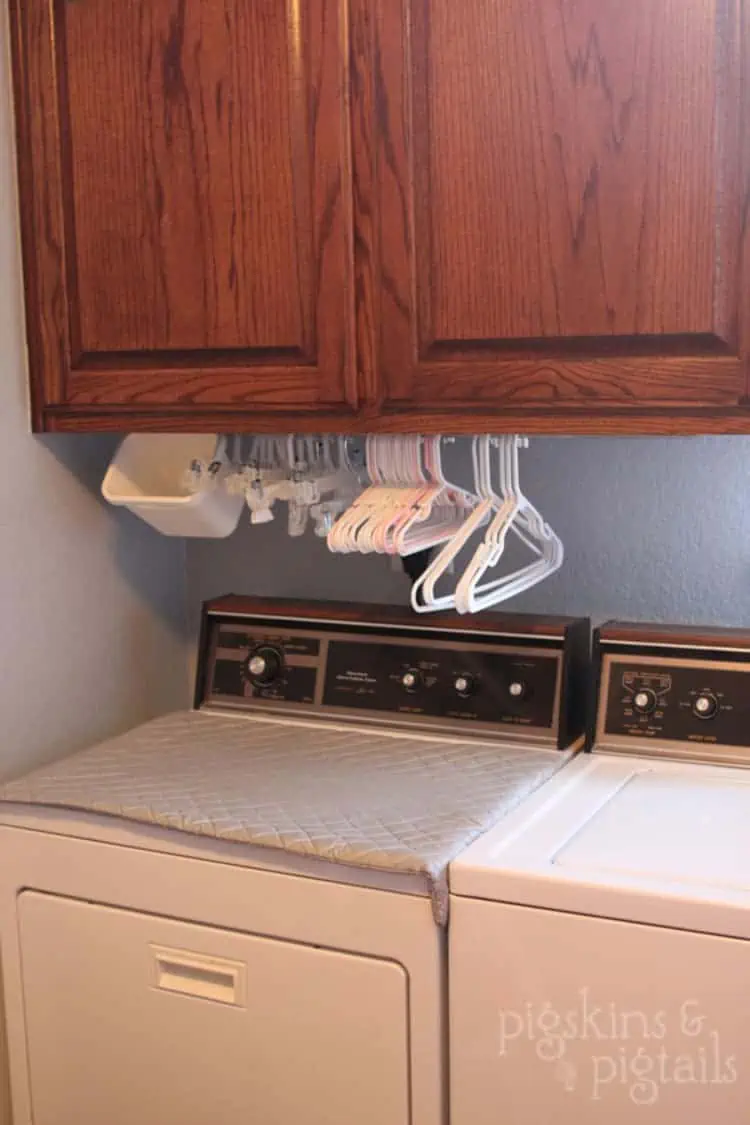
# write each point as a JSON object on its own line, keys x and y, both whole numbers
{"x": 517, "y": 690}
{"x": 644, "y": 701}
{"x": 706, "y": 705}
{"x": 411, "y": 680}
{"x": 264, "y": 665}
{"x": 465, "y": 685}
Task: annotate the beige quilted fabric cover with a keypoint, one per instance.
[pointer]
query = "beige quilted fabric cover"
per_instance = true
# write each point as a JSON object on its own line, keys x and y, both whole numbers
{"x": 398, "y": 804}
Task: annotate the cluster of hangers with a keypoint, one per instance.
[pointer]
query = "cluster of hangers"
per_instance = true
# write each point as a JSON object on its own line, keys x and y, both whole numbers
{"x": 501, "y": 509}
{"x": 390, "y": 495}
{"x": 409, "y": 506}
{"x": 317, "y": 477}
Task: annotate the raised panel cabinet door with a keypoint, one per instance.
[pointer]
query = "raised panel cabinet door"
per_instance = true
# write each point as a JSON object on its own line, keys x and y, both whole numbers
{"x": 186, "y": 205}
{"x": 553, "y": 196}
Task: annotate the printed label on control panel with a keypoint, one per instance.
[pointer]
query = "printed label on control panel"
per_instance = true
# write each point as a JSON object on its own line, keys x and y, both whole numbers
{"x": 351, "y": 682}
{"x": 294, "y": 685}
{"x": 239, "y": 638}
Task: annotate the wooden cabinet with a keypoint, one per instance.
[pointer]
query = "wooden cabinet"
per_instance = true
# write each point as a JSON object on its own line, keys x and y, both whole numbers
{"x": 186, "y": 204}
{"x": 560, "y": 193}
{"x": 387, "y": 214}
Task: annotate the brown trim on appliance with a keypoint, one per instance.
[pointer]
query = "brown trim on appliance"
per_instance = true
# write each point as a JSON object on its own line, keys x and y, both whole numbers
{"x": 497, "y": 623}
{"x": 575, "y": 703}
{"x": 624, "y": 632}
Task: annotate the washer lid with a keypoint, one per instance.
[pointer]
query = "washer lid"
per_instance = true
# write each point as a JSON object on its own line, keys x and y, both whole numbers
{"x": 652, "y": 841}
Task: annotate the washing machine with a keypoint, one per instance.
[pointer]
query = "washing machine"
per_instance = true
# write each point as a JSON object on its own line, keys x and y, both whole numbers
{"x": 600, "y": 935}
{"x": 238, "y": 913}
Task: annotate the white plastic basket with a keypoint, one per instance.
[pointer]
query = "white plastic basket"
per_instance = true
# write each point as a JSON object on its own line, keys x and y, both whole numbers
{"x": 147, "y": 475}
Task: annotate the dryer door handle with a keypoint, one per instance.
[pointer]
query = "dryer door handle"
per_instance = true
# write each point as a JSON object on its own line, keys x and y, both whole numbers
{"x": 199, "y": 975}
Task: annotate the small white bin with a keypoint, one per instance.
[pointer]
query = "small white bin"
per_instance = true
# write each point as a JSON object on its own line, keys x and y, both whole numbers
{"x": 147, "y": 475}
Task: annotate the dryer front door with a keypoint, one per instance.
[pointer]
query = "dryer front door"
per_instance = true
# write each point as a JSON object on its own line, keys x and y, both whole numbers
{"x": 563, "y": 1019}
{"x": 137, "y": 1020}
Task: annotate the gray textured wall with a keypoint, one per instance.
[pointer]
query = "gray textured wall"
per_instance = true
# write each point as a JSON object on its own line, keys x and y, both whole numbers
{"x": 91, "y": 601}
{"x": 654, "y": 529}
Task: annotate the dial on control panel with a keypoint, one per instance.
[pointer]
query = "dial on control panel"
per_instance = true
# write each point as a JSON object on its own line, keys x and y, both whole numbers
{"x": 264, "y": 665}
{"x": 644, "y": 701}
{"x": 465, "y": 685}
{"x": 411, "y": 680}
{"x": 706, "y": 705}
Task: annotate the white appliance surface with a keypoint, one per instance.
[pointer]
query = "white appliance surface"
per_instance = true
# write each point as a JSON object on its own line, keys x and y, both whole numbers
{"x": 599, "y": 952}
{"x": 643, "y": 839}
{"x": 201, "y": 1008}
{"x": 225, "y": 984}
{"x": 149, "y": 837}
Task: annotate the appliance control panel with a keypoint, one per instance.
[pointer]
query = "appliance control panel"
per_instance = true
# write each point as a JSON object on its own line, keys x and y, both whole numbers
{"x": 465, "y": 683}
{"x": 677, "y": 696}
{"x": 416, "y": 676}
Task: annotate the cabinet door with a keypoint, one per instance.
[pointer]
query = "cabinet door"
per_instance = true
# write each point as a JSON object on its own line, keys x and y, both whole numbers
{"x": 186, "y": 205}
{"x": 557, "y": 191}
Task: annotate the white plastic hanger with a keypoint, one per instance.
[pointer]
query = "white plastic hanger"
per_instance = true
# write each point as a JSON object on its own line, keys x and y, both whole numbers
{"x": 339, "y": 488}
{"x": 410, "y": 505}
{"x": 423, "y": 596}
{"x": 505, "y": 502}
{"x": 519, "y": 515}
{"x": 439, "y": 513}
{"x": 510, "y": 511}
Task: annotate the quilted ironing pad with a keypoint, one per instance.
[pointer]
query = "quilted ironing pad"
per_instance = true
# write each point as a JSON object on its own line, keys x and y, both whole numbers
{"x": 396, "y": 803}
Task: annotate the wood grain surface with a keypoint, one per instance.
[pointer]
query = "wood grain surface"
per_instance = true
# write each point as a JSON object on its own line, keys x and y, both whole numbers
{"x": 186, "y": 169}
{"x": 560, "y": 202}
{"x": 658, "y": 422}
{"x": 386, "y": 215}
{"x": 575, "y": 139}
{"x": 181, "y": 131}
